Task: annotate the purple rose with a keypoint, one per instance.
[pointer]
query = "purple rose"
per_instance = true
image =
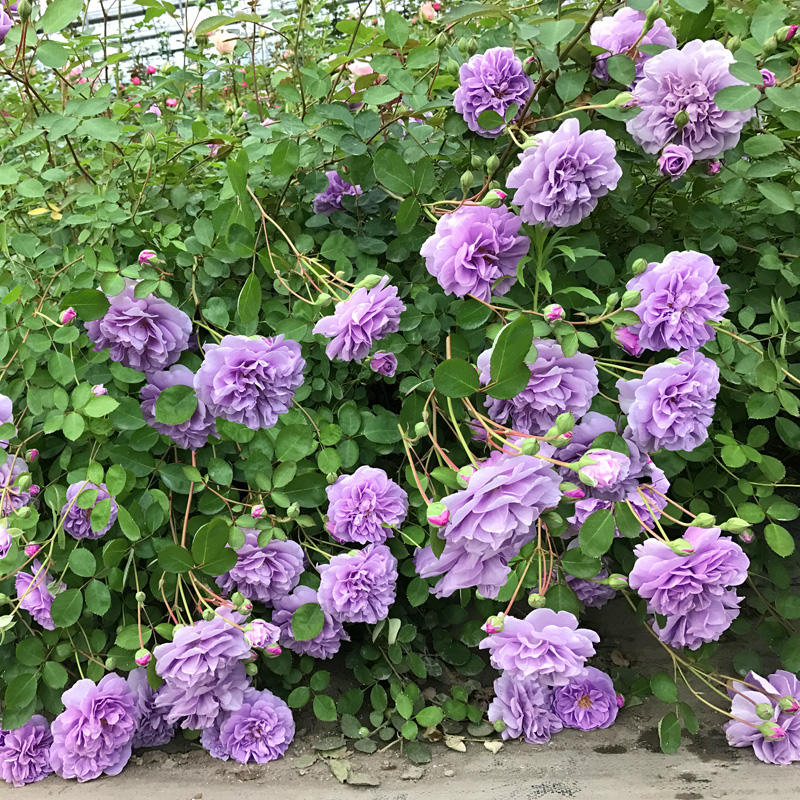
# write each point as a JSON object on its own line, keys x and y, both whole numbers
{"x": 617, "y": 34}
{"x": 146, "y": 334}
{"x": 257, "y": 732}
{"x": 558, "y": 384}
{"x": 93, "y": 735}
{"x": 547, "y": 645}
{"x": 34, "y": 595}
{"x": 674, "y": 160}
{"x": 153, "y": 729}
{"x": 25, "y": 752}
{"x": 251, "y": 381}
{"x": 14, "y": 498}
{"x": 384, "y": 363}
{"x": 679, "y": 298}
{"x": 560, "y": 180}
{"x": 628, "y": 341}
{"x": 687, "y": 80}
{"x": 770, "y": 79}
{"x": 523, "y": 704}
{"x": 367, "y": 316}
{"x": 587, "y": 702}
{"x": 672, "y": 405}
{"x": 76, "y": 521}
{"x": 190, "y": 435}
{"x": 261, "y": 634}
{"x": 476, "y": 250}
{"x": 264, "y": 573}
{"x": 203, "y": 671}
{"x": 606, "y": 468}
{"x": 325, "y": 644}
{"x": 706, "y": 620}
{"x": 331, "y": 199}
{"x": 359, "y": 587}
{"x": 365, "y": 506}
{"x": 490, "y": 522}
{"x": 494, "y": 80}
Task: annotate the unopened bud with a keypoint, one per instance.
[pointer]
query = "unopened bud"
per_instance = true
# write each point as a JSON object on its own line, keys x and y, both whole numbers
{"x": 789, "y": 705}
{"x": 639, "y": 266}
{"x": 4, "y": 599}
{"x": 704, "y": 520}
{"x": 208, "y": 614}
{"x": 438, "y": 514}
{"x": 67, "y": 315}
{"x": 237, "y": 598}
{"x": 273, "y": 650}
{"x": 764, "y": 710}
{"x": 553, "y": 313}
{"x": 24, "y": 10}
{"x": 245, "y": 608}
{"x": 770, "y": 46}
{"x": 565, "y": 422}
{"x": 572, "y": 491}
{"x": 257, "y": 512}
{"x": 615, "y": 581}
{"x": 466, "y": 181}
{"x": 734, "y": 43}
{"x": 476, "y": 162}
{"x": 681, "y": 547}
{"x": 441, "y": 40}
{"x": 630, "y": 298}
{"x": 322, "y": 300}
{"x": 363, "y": 732}
{"x": 530, "y": 66}
{"x": 786, "y": 34}
{"x": 32, "y": 549}
{"x": 653, "y": 13}
{"x": 34, "y": 490}
{"x": 147, "y": 257}
{"x": 452, "y": 67}
{"x": 251, "y": 669}
{"x": 499, "y": 725}
{"x": 530, "y": 446}
{"x": 494, "y": 198}
{"x": 149, "y": 141}
{"x": 622, "y": 99}
{"x": 421, "y": 429}
{"x": 734, "y": 525}
{"x": 293, "y": 512}
{"x": 368, "y": 282}
{"x": 620, "y": 700}
{"x": 24, "y": 482}
{"x": 111, "y": 663}
{"x": 140, "y": 597}
{"x": 492, "y": 163}
{"x": 331, "y": 478}
{"x": 472, "y": 46}
{"x": 463, "y": 45}
{"x": 536, "y": 600}
{"x": 464, "y": 475}
{"x": 771, "y": 731}
{"x": 99, "y": 390}
{"x": 681, "y": 119}
{"x": 33, "y": 454}
{"x": 747, "y": 537}
{"x": 142, "y": 657}
{"x": 494, "y": 625}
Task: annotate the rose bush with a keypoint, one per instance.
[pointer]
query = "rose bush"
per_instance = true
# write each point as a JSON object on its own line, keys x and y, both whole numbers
{"x": 356, "y": 339}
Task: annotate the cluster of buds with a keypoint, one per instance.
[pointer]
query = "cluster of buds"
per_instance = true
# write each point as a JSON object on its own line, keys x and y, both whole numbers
{"x": 561, "y": 433}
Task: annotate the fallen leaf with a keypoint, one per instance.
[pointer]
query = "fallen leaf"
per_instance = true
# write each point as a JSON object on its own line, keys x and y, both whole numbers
{"x": 433, "y": 735}
{"x": 620, "y": 659}
{"x": 361, "y": 779}
{"x": 340, "y": 769}
{"x": 305, "y": 761}
{"x": 493, "y": 746}
{"x": 456, "y": 743}
{"x": 330, "y": 743}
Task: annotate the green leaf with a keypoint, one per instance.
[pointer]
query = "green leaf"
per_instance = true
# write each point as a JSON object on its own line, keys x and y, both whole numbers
{"x": 417, "y": 592}
{"x": 404, "y": 705}
{"x": 101, "y": 128}
{"x": 507, "y": 364}
{"x": 378, "y": 95}
{"x": 471, "y": 314}
{"x": 597, "y": 533}
{"x": 489, "y": 120}
{"x": 622, "y": 69}
{"x": 175, "y": 559}
{"x": 210, "y": 547}
{"x": 737, "y": 98}
{"x": 669, "y": 729}
{"x": 59, "y": 14}
{"x": 52, "y": 54}
{"x": 392, "y": 171}
{"x": 307, "y": 622}
{"x": 30, "y": 652}
{"x": 285, "y": 159}
{"x": 249, "y": 304}
{"x": 83, "y": 563}
{"x": 407, "y": 214}
{"x": 761, "y": 405}
{"x": 570, "y": 84}
{"x": 324, "y": 707}
{"x": 779, "y": 540}
{"x": 456, "y": 378}
{"x": 299, "y": 697}
{"x": 128, "y": 524}
{"x": 73, "y": 426}
{"x": 778, "y": 194}
{"x": 664, "y": 688}
{"x": 765, "y": 144}
{"x": 67, "y": 607}
{"x": 397, "y": 28}
{"x": 576, "y": 562}
{"x": 626, "y": 521}
{"x": 100, "y": 406}
{"x": 294, "y": 443}
{"x": 561, "y": 598}
{"x": 54, "y": 675}
{"x": 430, "y": 716}
{"x": 97, "y": 598}
{"x": 21, "y": 690}
{"x": 176, "y": 405}
{"x": 100, "y": 515}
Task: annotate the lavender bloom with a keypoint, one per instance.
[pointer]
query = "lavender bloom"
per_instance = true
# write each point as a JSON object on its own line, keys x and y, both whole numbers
{"x": 202, "y": 671}
{"x": 672, "y": 583}
{"x": 325, "y": 644}
{"x": 628, "y": 341}
{"x": 494, "y": 80}
{"x": 258, "y": 732}
{"x": 770, "y": 79}
{"x": 153, "y": 729}
{"x": 524, "y": 706}
{"x": 5, "y": 538}
{"x": 264, "y": 573}
{"x": 331, "y": 199}
{"x": 25, "y": 752}
{"x": 547, "y": 645}
{"x": 743, "y": 730}
{"x": 146, "y": 334}
{"x": 367, "y": 316}
{"x": 557, "y": 384}
{"x": 608, "y": 468}
{"x": 560, "y": 180}
{"x": 364, "y": 506}
{"x": 14, "y": 498}
{"x": 359, "y": 587}
{"x": 587, "y": 702}
{"x": 679, "y": 298}
{"x": 618, "y": 33}
{"x": 687, "y": 80}
{"x": 384, "y": 364}
{"x": 6, "y": 414}
{"x": 671, "y": 405}
{"x": 476, "y": 250}
{"x": 710, "y": 615}
{"x": 489, "y": 523}
{"x": 33, "y": 592}
{"x": 250, "y": 380}
{"x": 76, "y": 521}
{"x": 93, "y": 735}
{"x": 261, "y": 634}
{"x": 190, "y": 435}
{"x": 674, "y": 160}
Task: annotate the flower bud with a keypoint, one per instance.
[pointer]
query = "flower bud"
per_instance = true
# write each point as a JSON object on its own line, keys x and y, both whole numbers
{"x": 569, "y": 489}
{"x": 293, "y": 512}
{"x": 257, "y": 512}
{"x": 438, "y": 514}
{"x": 770, "y": 46}
{"x": 764, "y": 710}
{"x": 24, "y": 482}
{"x": 553, "y": 313}
{"x": 421, "y": 429}
{"x": 639, "y": 266}
{"x": 4, "y": 599}
{"x": 149, "y": 141}
{"x": 466, "y": 181}
{"x": 33, "y": 454}
{"x": 251, "y": 669}
{"x": 464, "y": 475}
{"x": 463, "y": 45}
{"x": 368, "y": 282}
{"x": 331, "y": 478}
{"x": 208, "y": 614}
{"x": 630, "y": 298}
{"x": 494, "y": 625}
{"x": 111, "y": 662}
{"x": 620, "y": 700}
{"x": 530, "y": 446}
{"x": 704, "y": 520}
{"x": 24, "y": 10}
{"x": 536, "y": 600}
{"x": 492, "y": 163}
{"x": 747, "y": 537}
{"x": 67, "y": 315}
{"x": 140, "y": 597}
{"x": 714, "y": 167}
{"x": 734, "y": 43}
{"x": 363, "y": 732}
{"x": 273, "y": 650}
{"x": 681, "y": 119}
{"x": 789, "y": 705}
{"x": 771, "y": 731}
{"x": 472, "y": 46}
{"x": 734, "y": 525}
{"x": 32, "y": 549}
{"x": 99, "y": 390}
{"x": 622, "y": 99}
{"x": 237, "y": 598}
{"x": 441, "y": 40}
{"x": 770, "y": 79}
{"x": 653, "y": 13}
{"x": 452, "y": 67}
{"x": 142, "y": 657}
{"x": 476, "y": 162}
{"x": 147, "y": 257}
{"x": 499, "y": 725}
{"x": 681, "y": 547}
{"x": 788, "y": 33}
{"x": 494, "y": 198}
{"x": 615, "y": 581}
{"x": 565, "y": 422}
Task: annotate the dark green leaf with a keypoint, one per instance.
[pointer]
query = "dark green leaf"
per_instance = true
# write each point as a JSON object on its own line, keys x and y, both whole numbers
{"x": 307, "y": 622}
{"x": 456, "y": 378}
{"x": 176, "y": 404}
